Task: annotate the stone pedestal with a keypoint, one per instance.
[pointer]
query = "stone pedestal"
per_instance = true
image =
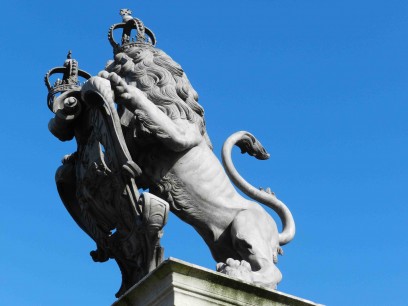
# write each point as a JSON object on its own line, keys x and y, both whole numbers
{"x": 178, "y": 283}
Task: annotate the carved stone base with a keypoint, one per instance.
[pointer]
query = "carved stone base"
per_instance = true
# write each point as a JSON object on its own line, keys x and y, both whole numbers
{"x": 178, "y": 283}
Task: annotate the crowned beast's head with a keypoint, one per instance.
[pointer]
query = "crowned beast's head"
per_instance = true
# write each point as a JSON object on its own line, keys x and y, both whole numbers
{"x": 161, "y": 79}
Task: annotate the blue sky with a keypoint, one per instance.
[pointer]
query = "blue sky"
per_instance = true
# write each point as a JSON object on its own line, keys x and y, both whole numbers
{"x": 322, "y": 84}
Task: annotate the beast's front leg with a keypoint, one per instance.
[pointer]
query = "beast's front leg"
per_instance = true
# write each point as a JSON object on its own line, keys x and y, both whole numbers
{"x": 130, "y": 96}
{"x": 178, "y": 134}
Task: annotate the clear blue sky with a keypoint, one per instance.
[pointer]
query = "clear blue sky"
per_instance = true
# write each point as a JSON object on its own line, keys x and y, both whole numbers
{"x": 322, "y": 84}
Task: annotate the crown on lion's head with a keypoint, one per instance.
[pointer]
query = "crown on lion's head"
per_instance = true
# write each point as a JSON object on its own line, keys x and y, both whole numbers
{"x": 141, "y": 64}
{"x": 130, "y": 25}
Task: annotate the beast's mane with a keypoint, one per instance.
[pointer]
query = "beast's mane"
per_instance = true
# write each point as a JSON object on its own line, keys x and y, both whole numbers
{"x": 161, "y": 79}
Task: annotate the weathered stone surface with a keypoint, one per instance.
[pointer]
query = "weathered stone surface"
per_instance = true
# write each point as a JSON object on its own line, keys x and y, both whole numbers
{"x": 179, "y": 283}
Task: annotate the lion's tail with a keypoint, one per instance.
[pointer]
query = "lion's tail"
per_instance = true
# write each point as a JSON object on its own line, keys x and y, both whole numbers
{"x": 249, "y": 144}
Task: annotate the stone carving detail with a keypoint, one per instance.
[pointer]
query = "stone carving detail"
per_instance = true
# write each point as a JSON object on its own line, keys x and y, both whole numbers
{"x": 97, "y": 182}
{"x": 155, "y": 138}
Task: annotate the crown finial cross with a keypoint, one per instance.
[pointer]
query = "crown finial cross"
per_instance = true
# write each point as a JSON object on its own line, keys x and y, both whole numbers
{"x": 125, "y": 12}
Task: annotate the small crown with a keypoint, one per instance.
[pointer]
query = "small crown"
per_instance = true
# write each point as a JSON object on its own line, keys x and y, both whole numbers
{"x": 143, "y": 35}
{"x": 70, "y": 73}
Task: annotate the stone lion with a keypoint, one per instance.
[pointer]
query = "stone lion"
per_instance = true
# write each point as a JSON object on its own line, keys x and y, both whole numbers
{"x": 165, "y": 132}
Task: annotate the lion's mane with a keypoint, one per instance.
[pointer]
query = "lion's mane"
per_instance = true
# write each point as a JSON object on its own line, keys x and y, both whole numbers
{"x": 162, "y": 80}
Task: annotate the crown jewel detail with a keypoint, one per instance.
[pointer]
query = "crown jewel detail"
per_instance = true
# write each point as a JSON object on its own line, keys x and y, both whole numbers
{"x": 143, "y": 34}
{"x": 69, "y": 81}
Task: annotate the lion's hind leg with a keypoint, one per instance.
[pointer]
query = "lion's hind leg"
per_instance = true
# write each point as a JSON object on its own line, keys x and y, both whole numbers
{"x": 255, "y": 239}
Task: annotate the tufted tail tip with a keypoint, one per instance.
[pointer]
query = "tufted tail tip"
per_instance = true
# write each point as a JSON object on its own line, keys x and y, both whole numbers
{"x": 249, "y": 144}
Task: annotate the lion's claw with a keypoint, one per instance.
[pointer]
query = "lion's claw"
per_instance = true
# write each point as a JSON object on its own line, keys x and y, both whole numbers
{"x": 103, "y": 74}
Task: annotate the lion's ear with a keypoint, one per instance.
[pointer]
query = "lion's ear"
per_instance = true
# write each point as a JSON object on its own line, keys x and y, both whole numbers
{"x": 171, "y": 66}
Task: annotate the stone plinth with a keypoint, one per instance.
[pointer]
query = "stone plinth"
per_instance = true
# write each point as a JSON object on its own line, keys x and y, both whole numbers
{"x": 178, "y": 283}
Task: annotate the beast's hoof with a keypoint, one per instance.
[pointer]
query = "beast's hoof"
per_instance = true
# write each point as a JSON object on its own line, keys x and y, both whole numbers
{"x": 235, "y": 268}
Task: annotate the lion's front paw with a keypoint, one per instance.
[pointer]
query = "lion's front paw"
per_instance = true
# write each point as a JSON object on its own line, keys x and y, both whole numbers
{"x": 235, "y": 268}
{"x": 125, "y": 94}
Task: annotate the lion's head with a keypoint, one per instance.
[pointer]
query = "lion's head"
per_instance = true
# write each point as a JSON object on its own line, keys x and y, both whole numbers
{"x": 161, "y": 79}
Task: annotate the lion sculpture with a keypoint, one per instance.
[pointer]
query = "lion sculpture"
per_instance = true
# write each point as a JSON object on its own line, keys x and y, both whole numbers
{"x": 165, "y": 132}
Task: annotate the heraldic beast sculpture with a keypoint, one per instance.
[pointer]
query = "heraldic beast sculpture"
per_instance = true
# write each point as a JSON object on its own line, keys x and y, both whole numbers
{"x": 156, "y": 139}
